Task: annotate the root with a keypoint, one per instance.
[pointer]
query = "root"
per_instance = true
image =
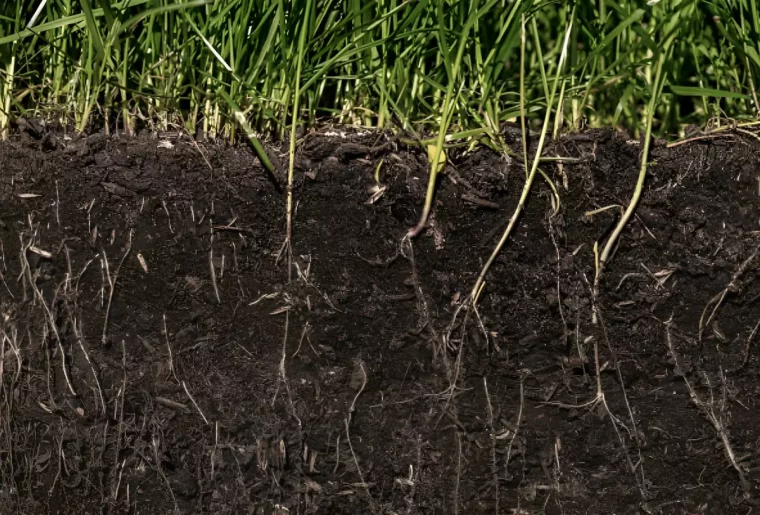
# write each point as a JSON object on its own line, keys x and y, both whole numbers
{"x": 283, "y": 379}
{"x": 494, "y": 460}
{"x": 459, "y": 473}
{"x": 422, "y": 306}
{"x": 748, "y": 346}
{"x": 75, "y": 324}
{"x": 112, "y": 285}
{"x": 212, "y": 270}
{"x": 361, "y": 390}
{"x": 718, "y": 299}
{"x": 636, "y": 468}
{"x": 364, "y": 485}
{"x": 120, "y": 430}
{"x": 80, "y": 341}
{"x": 708, "y": 408}
{"x": 519, "y": 421}
{"x": 50, "y": 319}
{"x": 414, "y": 476}
{"x": 198, "y": 408}
{"x": 154, "y": 445}
{"x": 612, "y": 241}
{"x": 559, "y": 289}
{"x": 601, "y": 400}
{"x": 169, "y": 348}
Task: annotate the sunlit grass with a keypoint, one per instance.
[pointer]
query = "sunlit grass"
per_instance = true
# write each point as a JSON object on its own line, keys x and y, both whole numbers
{"x": 422, "y": 63}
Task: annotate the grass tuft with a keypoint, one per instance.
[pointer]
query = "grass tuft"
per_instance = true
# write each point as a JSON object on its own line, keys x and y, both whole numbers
{"x": 433, "y": 65}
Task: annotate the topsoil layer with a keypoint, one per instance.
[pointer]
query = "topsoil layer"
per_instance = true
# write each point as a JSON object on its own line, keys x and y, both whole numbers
{"x": 156, "y": 358}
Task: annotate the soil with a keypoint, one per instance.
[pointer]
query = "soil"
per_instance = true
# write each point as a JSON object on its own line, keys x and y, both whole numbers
{"x": 157, "y": 358}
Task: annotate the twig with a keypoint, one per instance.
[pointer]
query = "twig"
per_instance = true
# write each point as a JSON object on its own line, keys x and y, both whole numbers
{"x": 557, "y": 472}
{"x": 163, "y": 401}
{"x": 25, "y": 273}
{"x": 60, "y": 466}
{"x": 237, "y": 271}
{"x": 265, "y": 297}
{"x": 480, "y": 202}
{"x": 710, "y": 135}
{"x": 2, "y": 278}
{"x": 115, "y": 494}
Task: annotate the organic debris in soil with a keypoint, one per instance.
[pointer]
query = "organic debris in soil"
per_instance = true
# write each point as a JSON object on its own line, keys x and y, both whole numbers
{"x": 155, "y": 357}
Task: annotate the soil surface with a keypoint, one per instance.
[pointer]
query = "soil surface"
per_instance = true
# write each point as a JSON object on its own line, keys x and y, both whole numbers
{"x": 157, "y": 358}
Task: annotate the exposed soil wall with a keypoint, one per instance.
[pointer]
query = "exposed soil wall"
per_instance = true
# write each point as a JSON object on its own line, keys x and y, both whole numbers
{"x": 156, "y": 357}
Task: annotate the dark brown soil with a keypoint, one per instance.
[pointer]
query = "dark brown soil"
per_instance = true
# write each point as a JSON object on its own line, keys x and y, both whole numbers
{"x": 240, "y": 392}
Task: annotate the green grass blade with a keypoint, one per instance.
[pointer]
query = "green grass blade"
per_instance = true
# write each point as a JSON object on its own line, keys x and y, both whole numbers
{"x": 65, "y": 21}
{"x": 93, "y": 29}
{"x": 249, "y": 132}
{"x": 691, "y": 91}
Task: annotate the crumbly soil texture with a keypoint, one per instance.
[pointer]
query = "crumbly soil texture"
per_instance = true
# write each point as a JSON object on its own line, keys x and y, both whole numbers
{"x": 163, "y": 351}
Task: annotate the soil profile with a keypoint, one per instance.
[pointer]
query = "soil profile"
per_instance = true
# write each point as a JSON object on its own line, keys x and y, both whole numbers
{"x": 157, "y": 359}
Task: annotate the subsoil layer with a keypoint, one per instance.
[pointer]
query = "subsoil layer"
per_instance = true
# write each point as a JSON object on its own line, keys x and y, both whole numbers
{"x": 158, "y": 355}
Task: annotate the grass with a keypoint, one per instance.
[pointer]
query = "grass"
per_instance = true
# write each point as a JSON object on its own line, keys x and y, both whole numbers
{"x": 422, "y": 64}
{"x": 456, "y": 69}
{"x": 534, "y": 166}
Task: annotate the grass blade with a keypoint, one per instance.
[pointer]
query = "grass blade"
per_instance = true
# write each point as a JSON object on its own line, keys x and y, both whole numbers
{"x": 690, "y": 91}
{"x": 249, "y": 132}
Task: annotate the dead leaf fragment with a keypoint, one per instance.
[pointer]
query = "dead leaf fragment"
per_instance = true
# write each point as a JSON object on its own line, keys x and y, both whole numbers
{"x": 40, "y": 252}
{"x": 143, "y": 263}
{"x": 376, "y": 193}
